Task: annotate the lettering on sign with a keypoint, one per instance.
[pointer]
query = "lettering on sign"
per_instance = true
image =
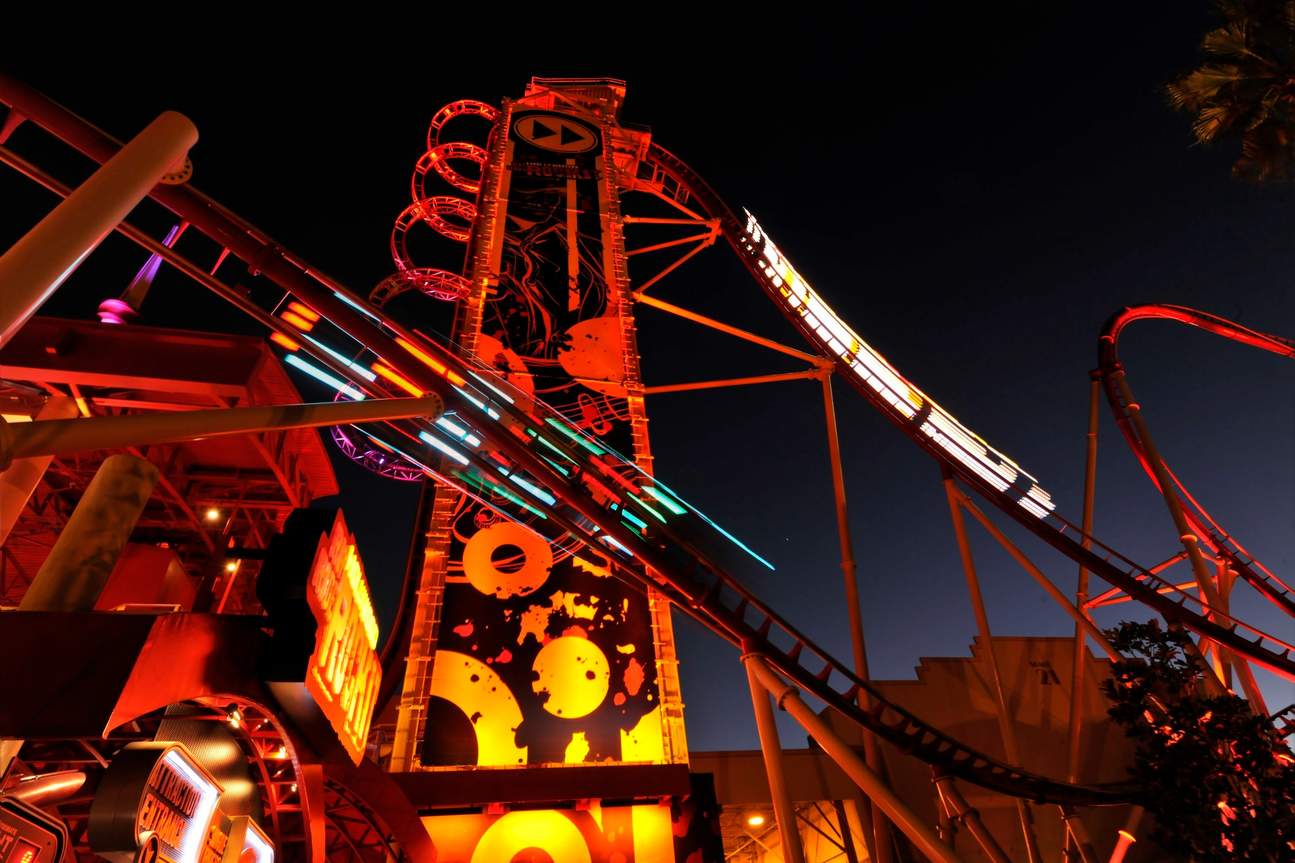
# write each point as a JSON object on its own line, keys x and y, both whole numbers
{"x": 344, "y": 672}
{"x": 24, "y": 852}
{"x": 28, "y": 834}
{"x": 154, "y": 792}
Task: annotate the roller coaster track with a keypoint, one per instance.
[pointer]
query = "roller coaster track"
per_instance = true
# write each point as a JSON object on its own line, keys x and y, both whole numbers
{"x": 993, "y": 475}
{"x": 1205, "y": 527}
{"x": 534, "y": 467}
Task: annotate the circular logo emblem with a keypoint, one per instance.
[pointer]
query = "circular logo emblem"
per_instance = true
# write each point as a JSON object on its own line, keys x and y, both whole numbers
{"x": 556, "y": 133}
{"x": 150, "y": 849}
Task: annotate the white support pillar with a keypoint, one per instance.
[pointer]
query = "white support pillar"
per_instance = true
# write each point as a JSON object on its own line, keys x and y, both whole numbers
{"x": 19, "y": 480}
{"x": 37, "y": 264}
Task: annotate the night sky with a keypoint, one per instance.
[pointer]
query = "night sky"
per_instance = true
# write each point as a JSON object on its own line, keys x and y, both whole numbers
{"x": 975, "y": 195}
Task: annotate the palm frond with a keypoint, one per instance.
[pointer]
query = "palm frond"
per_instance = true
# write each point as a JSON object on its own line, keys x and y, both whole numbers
{"x": 1247, "y": 86}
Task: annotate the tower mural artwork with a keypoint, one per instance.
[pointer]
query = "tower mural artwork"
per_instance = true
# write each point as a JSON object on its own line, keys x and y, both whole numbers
{"x": 527, "y": 651}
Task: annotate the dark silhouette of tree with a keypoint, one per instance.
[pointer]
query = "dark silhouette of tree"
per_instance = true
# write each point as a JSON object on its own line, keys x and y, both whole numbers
{"x": 1219, "y": 780}
{"x": 1246, "y": 87}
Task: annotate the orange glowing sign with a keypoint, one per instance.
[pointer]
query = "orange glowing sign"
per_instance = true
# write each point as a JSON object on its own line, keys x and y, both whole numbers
{"x": 344, "y": 673}
{"x": 24, "y": 852}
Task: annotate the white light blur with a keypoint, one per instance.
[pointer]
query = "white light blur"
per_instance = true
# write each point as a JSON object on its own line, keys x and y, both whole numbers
{"x": 834, "y": 338}
{"x": 208, "y": 793}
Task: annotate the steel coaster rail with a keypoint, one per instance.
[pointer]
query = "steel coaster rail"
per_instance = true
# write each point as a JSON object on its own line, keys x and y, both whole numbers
{"x": 985, "y": 470}
{"x": 707, "y": 592}
{"x": 1248, "y": 567}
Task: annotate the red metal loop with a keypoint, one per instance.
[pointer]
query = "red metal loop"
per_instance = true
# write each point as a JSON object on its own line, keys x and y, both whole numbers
{"x": 370, "y": 456}
{"x": 438, "y": 158}
{"x": 435, "y": 283}
{"x": 436, "y": 213}
{"x": 461, "y": 108}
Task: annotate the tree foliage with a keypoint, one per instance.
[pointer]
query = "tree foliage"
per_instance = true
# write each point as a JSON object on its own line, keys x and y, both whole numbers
{"x": 1219, "y": 780}
{"x": 1246, "y": 87}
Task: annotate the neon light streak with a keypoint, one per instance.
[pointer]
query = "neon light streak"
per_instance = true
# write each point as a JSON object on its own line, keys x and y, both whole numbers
{"x": 639, "y": 501}
{"x": 459, "y": 432}
{"x": 324, "y": 377}
{"x": 503, "y": 395}
{"x": 666, "y": 501}
{"x": 557, "y": 467}
{"x": 547, "y": 443}
{"x": 432, "y": 363}
{"x": 298, "y": 321}
{"x": 443, "y": 447}
{"x": 398, "y": 379}
{"x": 359, "y": 308}
{"x": 284, "y": 342}
{"x": 487, "y": 485}
{"x": 381, "y": 444}
{"x": 533, "y": 489}
{"x": 733, "y": 539}
{"x": 488, "y": 411}
{"x": 305, "y": 311}
{"x": 607, "y": 539}
{"x": 469, "y": 478}
{"x": 633, "y": 519}
{"x": 341, "y": 358}
{"x": 576, "y": 436}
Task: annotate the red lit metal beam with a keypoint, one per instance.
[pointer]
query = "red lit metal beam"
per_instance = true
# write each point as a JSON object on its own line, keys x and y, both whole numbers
{"x": 811, "y": 374}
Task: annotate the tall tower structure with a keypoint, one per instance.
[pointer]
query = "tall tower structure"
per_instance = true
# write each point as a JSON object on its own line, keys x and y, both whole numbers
{"x": 526, "y": 653}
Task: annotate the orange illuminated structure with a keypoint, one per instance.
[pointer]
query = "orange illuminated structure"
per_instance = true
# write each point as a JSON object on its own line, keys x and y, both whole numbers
{"x": 538, "y": 686}
{"x": 212, "y": 494}
{"x": 344, "y": 672}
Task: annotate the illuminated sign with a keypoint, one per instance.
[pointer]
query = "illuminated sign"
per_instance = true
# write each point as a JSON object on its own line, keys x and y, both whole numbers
{"x": 28, "y": 835}
{"x": 903, "y": 400}
{"x": 156, "y": 788}
{"x": 215, "y": 847}
{"x": 247, "y": 843}
{"x": 344, "y": 672}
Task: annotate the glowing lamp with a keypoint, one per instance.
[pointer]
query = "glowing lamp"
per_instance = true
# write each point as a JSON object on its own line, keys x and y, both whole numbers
{"x": 212, "y": 514}
{"x": 755, "y": 819}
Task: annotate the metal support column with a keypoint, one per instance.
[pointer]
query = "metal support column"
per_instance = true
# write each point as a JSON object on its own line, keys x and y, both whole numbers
{"x": 1191, "y": 543}
{"x": 60, "y": 437}
{"x": 788, "y": 699}
{"x": 19, "y": 480}
{"x": 83, "y": 557}
{"x": 1075, "y": 732}
{"x": 1127, "y": 835}
{"x": 880, "y": 842}
{"x": 969, "y": 817}
{"x": 1005, "y": 725}
{"x": 37, "y": 264}
{"x": 771, "y": 749}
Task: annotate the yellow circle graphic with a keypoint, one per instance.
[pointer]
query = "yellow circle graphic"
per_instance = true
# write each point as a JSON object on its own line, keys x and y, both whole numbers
{"x": 473, "y": 687}
{"x": 487, "y": 576}
{"x": 546, "y": 830}
{"x": 574, "y": 673}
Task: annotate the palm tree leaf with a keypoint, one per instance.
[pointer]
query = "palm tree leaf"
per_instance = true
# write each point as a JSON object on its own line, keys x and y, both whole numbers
{"x": 1246, "y": 86}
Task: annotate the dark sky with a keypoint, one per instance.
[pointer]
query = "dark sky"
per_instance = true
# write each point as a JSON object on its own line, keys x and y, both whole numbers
{"x": 976, "y": 192}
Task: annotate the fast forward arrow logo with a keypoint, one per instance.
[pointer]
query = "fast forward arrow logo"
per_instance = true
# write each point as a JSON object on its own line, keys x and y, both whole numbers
{"x": 556, "y": 133}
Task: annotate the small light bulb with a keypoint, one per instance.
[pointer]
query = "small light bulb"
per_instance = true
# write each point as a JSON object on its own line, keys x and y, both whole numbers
{"x": 231, "y": 566}
{"x": 212, "y": 514}
{"x": 755, "y": 820}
